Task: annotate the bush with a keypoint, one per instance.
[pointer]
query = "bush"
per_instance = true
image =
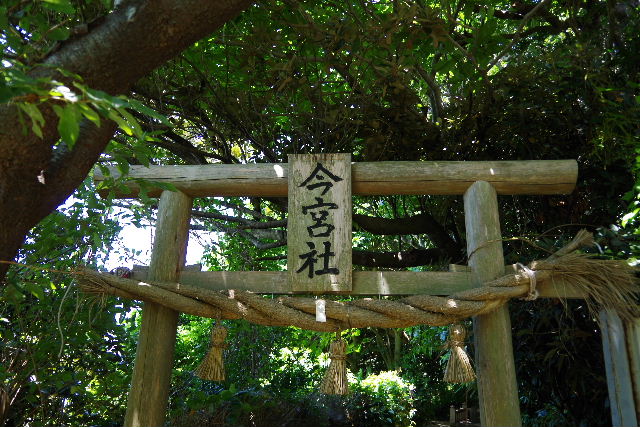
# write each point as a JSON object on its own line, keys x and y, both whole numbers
{"x": 383, "y": 399}
{"x": 260, "y": 407}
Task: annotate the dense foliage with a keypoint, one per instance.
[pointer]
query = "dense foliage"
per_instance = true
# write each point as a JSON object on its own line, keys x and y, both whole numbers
{"x": 383, "y": 80}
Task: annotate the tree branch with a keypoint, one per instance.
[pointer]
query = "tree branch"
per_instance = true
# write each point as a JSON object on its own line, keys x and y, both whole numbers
{"x": 246, "y": 223}
{"x": 403, "y": 259}
{"x": 548, "y": 29}
{"x": 418, "y": 224}
{"x": 254, "y": 239}
{"x": 436, "y": 94}
{"x": 526, "y": 18}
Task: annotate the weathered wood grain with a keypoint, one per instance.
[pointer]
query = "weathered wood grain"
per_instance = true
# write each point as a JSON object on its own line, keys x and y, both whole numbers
{"x": 369, "y": 178}
{"x": 319, "y": 222}
{"x": 495, "y": 366}
{"x": 365, "y": 283}
{"x": 632, "y": 333}
{"x": 148, "y": 397}
{"x": 619, "y": 378}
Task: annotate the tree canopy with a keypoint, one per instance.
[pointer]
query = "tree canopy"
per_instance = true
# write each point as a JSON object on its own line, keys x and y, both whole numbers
{"x": 135, "y": 82}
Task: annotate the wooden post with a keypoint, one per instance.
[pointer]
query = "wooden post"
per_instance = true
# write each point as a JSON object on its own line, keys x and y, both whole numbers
{"x": 616, "y": 363}
{"x": 148, "y": 397}
{"x": 632, "y": 331}
{"x": 497, "y": 386}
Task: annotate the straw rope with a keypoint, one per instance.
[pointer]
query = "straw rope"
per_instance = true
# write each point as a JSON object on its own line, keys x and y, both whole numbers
{"x": 459, "y": 369}
{"x": 300, "y": 311}
{"x": 212, "y": 367}
{"x": 335, "y": 378}
{"x": 607, "y": 285}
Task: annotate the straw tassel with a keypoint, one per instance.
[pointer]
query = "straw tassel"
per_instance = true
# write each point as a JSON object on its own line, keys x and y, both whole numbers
{"x": 212, "y": 367}
{"x": 459, "y": 369}
{"x": 335, "y": 379}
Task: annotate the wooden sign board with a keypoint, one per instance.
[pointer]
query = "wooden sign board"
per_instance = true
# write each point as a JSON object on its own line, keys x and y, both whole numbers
{"x": 319, "y": 222}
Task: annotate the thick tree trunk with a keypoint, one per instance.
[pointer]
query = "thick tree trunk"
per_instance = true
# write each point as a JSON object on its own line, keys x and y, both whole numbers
{"x": 136, "y": 38}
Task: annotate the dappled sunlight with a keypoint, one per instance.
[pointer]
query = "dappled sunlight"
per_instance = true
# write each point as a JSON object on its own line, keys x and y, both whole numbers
{"x": 279, "y": 171}
{"x": 382, "y": 284}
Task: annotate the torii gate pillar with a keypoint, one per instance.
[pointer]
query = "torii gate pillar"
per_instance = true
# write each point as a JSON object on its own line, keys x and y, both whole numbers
{"x": 497, "y": 386}
{"x": 148, "y": 397}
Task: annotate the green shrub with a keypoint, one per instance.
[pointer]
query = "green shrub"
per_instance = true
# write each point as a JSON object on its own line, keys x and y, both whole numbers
{"x": 255, "y": 407}
{"x": 383, "y": 399}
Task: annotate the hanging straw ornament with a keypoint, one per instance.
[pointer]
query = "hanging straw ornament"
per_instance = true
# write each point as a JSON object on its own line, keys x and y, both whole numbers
{"x": 212, "y": 367}
{"x": 459, "y": 369}
{"x": 335, "y": 379}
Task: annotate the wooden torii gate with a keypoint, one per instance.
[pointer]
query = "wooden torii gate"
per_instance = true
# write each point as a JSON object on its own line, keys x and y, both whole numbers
{"x": 478, "y": 182}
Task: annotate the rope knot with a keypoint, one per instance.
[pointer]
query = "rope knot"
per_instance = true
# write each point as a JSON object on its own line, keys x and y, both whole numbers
{"x": 533, "y": 292}
{"x": 337, "y": 357}
{"x": 220, "y": 345}
{"x": 453, "y": 343}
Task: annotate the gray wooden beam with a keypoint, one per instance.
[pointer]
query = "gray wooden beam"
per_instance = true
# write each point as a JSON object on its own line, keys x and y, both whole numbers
{"x": 495, "y": 366}
{"x": 616, "y": 362}
{"x": 148, "y": 397}
{"x": 368, "y": 178}
{"x": 632, "y": 332}
{"x": 365, "y": 283}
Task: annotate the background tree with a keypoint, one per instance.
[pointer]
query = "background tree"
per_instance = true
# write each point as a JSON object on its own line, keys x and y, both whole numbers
{"x": 108, "y": 49}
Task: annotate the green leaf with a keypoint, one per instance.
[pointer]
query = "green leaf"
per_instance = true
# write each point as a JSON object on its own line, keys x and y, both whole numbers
{"x": 122, "y": 165}
{"x": 72, "y": 76}
{"x": 5, "y": 94}
{"x": 133, "y": 123}
{"x": 34, "y": 289}
{"x": 69, "y": 123}
{"x": 163, "y": 185}
{"x": 58, "y": 34}
{"x": 90, "y": 114}
{"x": 4, "y": 19}
{"x": 122, "y": 124}
{"x": 629, "y": 217}
{"x": 105, "y": 170}
{"x": 33, "y": 111}
{"x": 63, "y": 6}
{"x": 141, "y": 108}
{"x": 95, "y": 95}
{"x": 37, "y": 121}
{"x": 142, "y": 157}
{"x": 12, "y": 294}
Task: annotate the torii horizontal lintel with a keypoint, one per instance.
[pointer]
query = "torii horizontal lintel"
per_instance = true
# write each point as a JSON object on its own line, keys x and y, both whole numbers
{"x": 511, "y": 177}
{"x": 365, "y": 283}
